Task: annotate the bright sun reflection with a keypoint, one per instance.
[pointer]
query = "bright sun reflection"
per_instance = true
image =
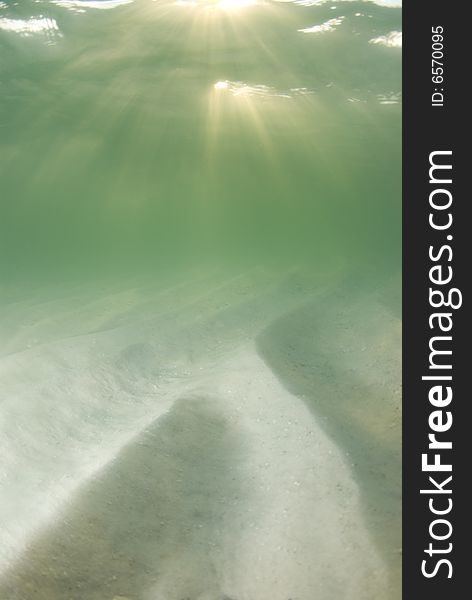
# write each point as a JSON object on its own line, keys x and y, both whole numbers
{"x": 228, "y": 5}
{"x": 235, "y": 4}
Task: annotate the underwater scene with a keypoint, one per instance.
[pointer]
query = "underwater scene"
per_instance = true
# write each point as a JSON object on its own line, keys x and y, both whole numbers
{"x": 200, "y": 300}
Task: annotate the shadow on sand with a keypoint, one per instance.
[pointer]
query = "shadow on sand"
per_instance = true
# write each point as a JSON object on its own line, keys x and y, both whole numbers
{"x": 341, "y": 356}
{"x": 150, "y": 521}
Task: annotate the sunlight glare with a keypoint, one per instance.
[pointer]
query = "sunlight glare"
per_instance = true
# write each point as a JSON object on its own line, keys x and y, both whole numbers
{"x": 235, "y": 4}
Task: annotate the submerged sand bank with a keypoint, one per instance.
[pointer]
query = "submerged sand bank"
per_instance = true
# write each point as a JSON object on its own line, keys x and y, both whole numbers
{"x": 170, "y": 462}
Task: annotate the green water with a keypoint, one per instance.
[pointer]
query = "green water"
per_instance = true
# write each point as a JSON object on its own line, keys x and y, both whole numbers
{"x": 200, "y": 248}
{"x": 118, "y": 150}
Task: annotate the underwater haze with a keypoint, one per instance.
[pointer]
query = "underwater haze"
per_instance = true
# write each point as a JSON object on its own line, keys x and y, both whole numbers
{"x": 200, "y": 324}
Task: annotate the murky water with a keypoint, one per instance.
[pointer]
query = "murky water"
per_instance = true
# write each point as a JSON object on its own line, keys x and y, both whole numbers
{"x": 200, "y": 323}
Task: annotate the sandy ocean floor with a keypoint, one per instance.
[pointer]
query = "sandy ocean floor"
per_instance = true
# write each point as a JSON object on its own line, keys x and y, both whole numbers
{"x": 215, "y": 438}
